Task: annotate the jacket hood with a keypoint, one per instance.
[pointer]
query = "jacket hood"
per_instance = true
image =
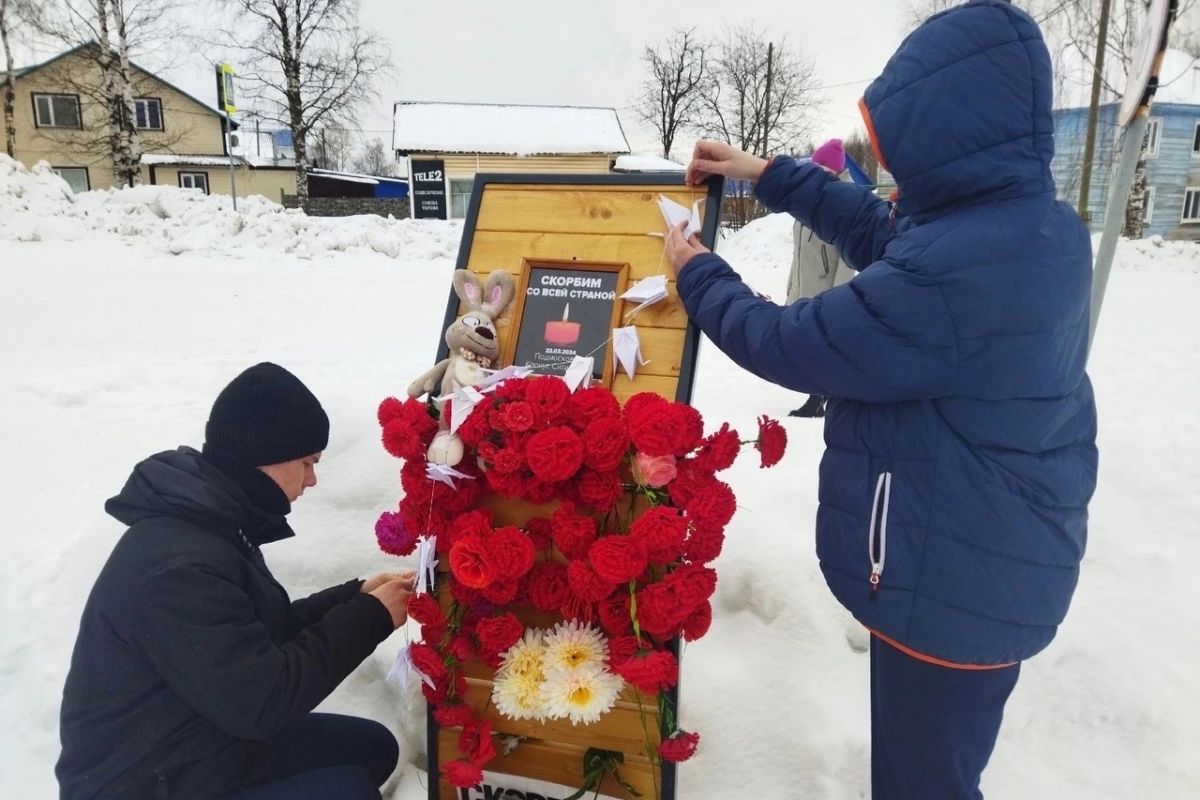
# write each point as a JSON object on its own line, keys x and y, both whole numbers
{"x": 962, "y": 111}
{"x": 181, "y": 484}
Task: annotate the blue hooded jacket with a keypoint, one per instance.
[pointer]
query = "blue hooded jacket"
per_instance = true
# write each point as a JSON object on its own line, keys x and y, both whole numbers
{"x": 960, "y": 451}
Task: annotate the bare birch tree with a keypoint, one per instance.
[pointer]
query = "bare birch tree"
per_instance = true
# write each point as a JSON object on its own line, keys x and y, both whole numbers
{"x": 375, "y": 159}
{"x": 670, "y": 100}
{"x": 307, "y": 64}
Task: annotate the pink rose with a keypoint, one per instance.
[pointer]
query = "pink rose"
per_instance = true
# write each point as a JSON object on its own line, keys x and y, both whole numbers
{"x": 653, "y": 471}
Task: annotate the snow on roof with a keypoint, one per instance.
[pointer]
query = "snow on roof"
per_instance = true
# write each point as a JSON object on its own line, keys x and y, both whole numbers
{"x": 355, "y": 176}
{"x": 1178, "y": 80}
{"x": 640, "y": 162}
{"x": 174, "y": 159}
{"x": 518, "y": 130}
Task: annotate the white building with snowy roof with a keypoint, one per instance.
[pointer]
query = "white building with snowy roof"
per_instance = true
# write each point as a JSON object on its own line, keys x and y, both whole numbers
{"x": 453, "y": 142}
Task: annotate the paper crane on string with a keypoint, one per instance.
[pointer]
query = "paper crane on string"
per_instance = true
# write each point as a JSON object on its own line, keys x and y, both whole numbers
{"x": 579, "y": 374}
{"x": 627, "y": 350}
{"x": 646, "y": 292}
{"x": 674, "y": 214}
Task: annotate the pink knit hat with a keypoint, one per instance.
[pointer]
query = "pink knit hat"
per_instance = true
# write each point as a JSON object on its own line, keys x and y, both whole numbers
{"x": 831, "y": 156}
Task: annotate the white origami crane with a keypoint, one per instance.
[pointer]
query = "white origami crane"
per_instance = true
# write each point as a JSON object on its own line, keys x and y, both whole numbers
{"x": 426, "y": 565}
{"x": 462, "y": 403}
{"x": 673, "y": 213}
{"x": 627, "y": 350}
{"x": 495, "y": 377}
{"x": 579, "y": 374}
{"x": 646, "y": 292}
{"x": 444, "y": 473}
{"x": 398, "y": 674}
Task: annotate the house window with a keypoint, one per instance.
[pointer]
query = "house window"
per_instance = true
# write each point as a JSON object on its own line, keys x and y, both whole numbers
{"x": 1196, "y": 141}
{"x": 76, "y": 178}
{"x": 460, "y": 198}
{"x": 194, "y": 180}
{"x": 1191, "y": 204}
{"x": 148, "y": 113}
{"x": 1148, "y": 206}
{"x": 57, "y": 111}
{"x": 1153, "y": 136}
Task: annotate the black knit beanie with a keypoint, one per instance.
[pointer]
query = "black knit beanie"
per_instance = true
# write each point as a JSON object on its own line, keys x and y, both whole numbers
{"x": 266, "y": 416}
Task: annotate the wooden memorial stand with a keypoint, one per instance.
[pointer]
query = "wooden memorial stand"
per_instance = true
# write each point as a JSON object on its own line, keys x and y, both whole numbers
{"x": 577, "y": 241}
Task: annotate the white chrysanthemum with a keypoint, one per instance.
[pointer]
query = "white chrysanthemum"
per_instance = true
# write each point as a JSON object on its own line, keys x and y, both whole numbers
{"x": 580, "y": 695}
{"x": 519, "y": 696}
{"x": 526, "y": 657}
{"x": 574, "y": 646}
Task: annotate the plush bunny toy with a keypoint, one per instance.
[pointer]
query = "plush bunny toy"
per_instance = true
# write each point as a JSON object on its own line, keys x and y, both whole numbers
{"x": 474, "y": 347}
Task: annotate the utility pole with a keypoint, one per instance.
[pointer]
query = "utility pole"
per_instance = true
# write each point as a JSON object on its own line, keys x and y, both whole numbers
{"x": 766, "y": 120}
{"x": 1089, "y": 147}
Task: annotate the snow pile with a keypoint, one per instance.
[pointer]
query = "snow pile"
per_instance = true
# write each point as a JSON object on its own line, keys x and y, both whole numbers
{"x": 518, "y": 130}
{"x": 36, "y": 205}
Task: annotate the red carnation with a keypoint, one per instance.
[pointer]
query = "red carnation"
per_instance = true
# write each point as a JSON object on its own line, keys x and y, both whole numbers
{"x": 497, "y": 634}
{"x": 599, "y": 491}
{"x": 691, "y": 477}
{"x": 772, "y": 441}
{"x": 573, "y": 533}
{"x": 548, "y": 396}
{"x": 698, "y": 623}
{"x": 475, "y": 741}
{"x": 463, "y": 595}
{"x": 641, "y": 401}
{"x": 434, "y": 633}
{"x": 690, "y": 428}
{"x": 547, "y": 586}
{"x": 554, "y": 455}
{"x": 507, "y": 460}
{"x": 617, "y": 559}
{"x": 511, "y": 389}
{"x": 679, "y": 746}
{"x": 704, "y": 545}
{"x": 462, "y": 774}
{"x": 712, "y": 506}
{"x": 389, "y": 409}
{"x": 623, "y": 648}
{"x": 586, "y": 584}
{"x": 614, "y": 613}
{"x": 470, "y": 562}
{"x": 719, "y": 450}
{"x": 501, "y": 593}
{"x": 588, "y": 405}
{"x": 402, "y": 440}
{"x": 539, "y": 493}
{"x": 476, "y": 524}
{"x": 478, "y": 425}
{"x": 659, "y": 612}
{"x": 508, "y": 484}
{"x": 462, "y": 648}
{"x": 453, "y": 715}
{"x": 427, "y": 661}
{"x": 692, "y": 584}
{"x": 605, "y": 440}
{"x": 423, "y": 609}
{"x": 442, "y": 690}
{"x": 510, "y": 551}
{"x": 650, "y": 672}
{"x": 517, "y": 416}
{"x": 652, "y": 425}
{"x": 662, "y": 531}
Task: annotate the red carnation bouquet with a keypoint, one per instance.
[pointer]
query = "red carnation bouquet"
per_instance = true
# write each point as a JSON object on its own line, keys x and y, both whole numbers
{"x": 633, "y": 514}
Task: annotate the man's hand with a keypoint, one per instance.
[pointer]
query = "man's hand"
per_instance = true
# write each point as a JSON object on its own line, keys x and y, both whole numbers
{"x": 717, "y": 158}
{"x": 680, "y": 250}
{"x": 375, "y": 581}
{"x": 394, "y": 595}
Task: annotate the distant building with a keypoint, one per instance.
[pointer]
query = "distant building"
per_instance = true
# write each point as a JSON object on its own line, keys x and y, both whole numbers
{"x": 1172, "y": 200}
{"x": 469, "y": 138}
{"x": 60, "y": 120}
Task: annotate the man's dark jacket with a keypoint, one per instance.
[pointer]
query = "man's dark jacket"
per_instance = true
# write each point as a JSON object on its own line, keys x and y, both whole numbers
{"x": 189, "y": 651}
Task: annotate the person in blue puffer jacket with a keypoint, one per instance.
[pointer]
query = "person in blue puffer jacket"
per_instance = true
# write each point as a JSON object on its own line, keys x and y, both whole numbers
{"x": 960, "y": 441}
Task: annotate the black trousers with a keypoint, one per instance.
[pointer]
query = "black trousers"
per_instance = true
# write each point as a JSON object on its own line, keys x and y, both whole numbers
{"x": 322, "y": 757}
{"x": 932, "y": 728}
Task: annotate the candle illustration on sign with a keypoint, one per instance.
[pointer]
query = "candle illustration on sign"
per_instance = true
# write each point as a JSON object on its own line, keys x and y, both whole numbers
{"x": 562, "y": 333}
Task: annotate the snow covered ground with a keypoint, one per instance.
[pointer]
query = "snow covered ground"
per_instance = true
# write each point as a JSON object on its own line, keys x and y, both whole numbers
{"x": 122, "y": 315}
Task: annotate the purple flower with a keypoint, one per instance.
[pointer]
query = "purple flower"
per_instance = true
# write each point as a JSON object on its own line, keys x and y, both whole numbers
{"x": 393, "y": 536}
